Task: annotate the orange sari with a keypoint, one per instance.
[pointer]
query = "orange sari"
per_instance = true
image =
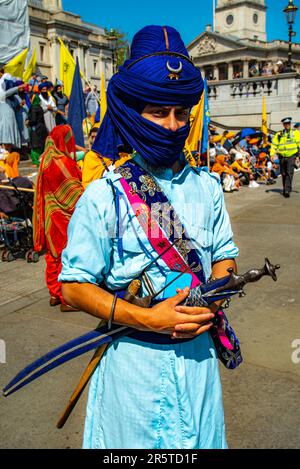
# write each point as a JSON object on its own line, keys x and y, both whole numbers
{"x": 57, "y": 193}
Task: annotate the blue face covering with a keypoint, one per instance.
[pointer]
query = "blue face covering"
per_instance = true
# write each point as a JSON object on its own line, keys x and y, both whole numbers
{"x": 159, "y": 72}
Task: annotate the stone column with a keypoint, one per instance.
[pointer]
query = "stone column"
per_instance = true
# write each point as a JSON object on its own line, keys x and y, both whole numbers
{"x": 216, "y": 72}
{"x": 80, "y": 52}
{"x": 111, "y": 66}
{"x": 246, "y": 69}
{"x": 102, "y": 62}
{"x": 54, "y": 58}
{"x": 85, "y": 53}
{"x": 230, "y": 71}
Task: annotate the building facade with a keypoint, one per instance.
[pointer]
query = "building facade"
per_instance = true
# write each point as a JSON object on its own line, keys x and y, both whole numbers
{"x": 88, "y": 42}
{"x": 241, "y": 66}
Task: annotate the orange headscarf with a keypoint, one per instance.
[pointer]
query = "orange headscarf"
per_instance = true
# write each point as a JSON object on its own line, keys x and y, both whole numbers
{"x": 64, "y": 140}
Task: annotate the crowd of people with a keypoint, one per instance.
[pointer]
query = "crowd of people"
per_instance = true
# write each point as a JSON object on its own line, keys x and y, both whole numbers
{"x": 242, "y": 161}
{"x": 256, "y": 69}
{"x": 246, "y": 159}
{"x": 28, "y": 114}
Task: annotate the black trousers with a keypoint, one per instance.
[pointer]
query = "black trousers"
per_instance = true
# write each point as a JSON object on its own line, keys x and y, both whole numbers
{"x": 287, "y": 167}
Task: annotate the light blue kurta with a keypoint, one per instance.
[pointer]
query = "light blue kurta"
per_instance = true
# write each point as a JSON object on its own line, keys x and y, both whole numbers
{"x": 145, "y": 395}
{"x": 9, "y": 131}
{"x": 21, "y": 117}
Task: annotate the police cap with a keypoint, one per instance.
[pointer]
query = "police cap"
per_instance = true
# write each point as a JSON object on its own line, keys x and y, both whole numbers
{"x": 287, "y": 120}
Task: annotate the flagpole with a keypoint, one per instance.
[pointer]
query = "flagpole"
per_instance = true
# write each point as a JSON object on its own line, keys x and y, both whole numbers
{"x": 214, "y": 16}
{"x": 208, "y": 158}
{"x": 87, "y": 133}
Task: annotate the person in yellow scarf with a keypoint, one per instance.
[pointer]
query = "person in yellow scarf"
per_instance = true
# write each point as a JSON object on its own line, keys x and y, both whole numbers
{"x": 95, "y": 166}
{"x": 10, "y": 162}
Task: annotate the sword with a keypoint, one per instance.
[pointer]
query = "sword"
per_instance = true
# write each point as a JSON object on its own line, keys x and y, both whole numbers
{"x": 224, "y": 287}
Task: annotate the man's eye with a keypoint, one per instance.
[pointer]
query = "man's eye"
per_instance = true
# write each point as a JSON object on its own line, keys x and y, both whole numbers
{"x": 159, "y": 113}
{"x": 183, "y": 114}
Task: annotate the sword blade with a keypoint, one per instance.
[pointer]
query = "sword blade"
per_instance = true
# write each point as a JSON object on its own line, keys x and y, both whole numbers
{"x": 32, "y": 372}
{"x": 53, "y": 354}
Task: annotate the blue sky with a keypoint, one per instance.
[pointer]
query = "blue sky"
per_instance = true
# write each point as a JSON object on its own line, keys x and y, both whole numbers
{"x": 189, "y": 16}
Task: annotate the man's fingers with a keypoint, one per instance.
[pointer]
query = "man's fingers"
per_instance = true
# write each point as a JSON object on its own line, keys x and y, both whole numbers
{"x": 201, "y": 330}
{"x": 181, "y": 296}
{"x": 191, "y": 328}
{"x": 191, "y": 310}
{"x": 199, "y": 319}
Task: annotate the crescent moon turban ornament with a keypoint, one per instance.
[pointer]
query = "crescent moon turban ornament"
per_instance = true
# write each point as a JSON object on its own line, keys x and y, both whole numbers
{"x": 175, "y": 72}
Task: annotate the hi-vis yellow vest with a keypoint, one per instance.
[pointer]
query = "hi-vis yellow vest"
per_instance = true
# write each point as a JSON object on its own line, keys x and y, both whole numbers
{"x": 286, "y": 144}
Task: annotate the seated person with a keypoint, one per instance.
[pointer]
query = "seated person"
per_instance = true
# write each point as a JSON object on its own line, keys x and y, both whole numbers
{"x": 10, "y": 161}
{"x": 265, "y": 168}
{"x": 95, "y": 165}
{"x": 227, "y": 140}
{"x": 243, "y": 171}
{"x": 230, "y": 180}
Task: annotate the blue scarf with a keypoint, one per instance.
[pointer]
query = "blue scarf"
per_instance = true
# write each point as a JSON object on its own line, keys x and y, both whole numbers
{"x": 145, "y": 79}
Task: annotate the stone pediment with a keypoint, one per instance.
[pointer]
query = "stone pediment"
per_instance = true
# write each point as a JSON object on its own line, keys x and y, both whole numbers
{"x": 212, "y": 43}
{"x": 207, "y": 45}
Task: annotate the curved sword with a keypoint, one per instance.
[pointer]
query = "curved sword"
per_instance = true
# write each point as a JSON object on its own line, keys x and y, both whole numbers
{"x": 217, "y": 289}
{"x": 63, "y": 354}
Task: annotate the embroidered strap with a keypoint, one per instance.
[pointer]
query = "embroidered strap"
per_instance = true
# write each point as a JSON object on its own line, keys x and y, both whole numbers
{"x": 155, "y": 235}
{"x": 159, "y": 221}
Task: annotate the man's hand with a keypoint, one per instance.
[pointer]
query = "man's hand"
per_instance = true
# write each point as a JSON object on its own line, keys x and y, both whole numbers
{"x": 182, "y": 322}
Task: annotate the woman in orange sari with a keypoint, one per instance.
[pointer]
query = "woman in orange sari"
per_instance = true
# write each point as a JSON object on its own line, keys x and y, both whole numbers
{"x": 58, "y": 190}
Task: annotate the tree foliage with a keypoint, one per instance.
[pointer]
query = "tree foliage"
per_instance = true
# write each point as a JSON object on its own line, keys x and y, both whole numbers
{"x": 119, "y": 43}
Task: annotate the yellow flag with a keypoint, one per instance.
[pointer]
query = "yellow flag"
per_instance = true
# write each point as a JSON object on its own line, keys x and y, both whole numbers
{"x": 192, "y": 142}
{"x": 30, "y": 68}
{"x": 103, "y": 99}
{"x": 264, "y": 125}
{"x": 67, "y": 68}
{"x": 16, "y": 66}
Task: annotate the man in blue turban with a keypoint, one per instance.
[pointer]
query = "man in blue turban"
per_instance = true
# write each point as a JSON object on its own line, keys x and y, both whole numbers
{"x": 159, "y": 387}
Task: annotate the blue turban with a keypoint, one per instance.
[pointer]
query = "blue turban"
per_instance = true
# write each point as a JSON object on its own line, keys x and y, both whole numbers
{"x": 46, "y": 84}
{"x": 160, "y": 72}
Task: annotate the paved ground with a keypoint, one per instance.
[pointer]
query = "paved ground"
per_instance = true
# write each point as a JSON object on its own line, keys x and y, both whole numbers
{"x": 261, "y": 397}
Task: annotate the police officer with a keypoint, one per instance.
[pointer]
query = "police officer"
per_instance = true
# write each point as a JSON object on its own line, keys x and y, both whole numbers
{"x": 297, "y": 126}
{"x": 286, "y": 144}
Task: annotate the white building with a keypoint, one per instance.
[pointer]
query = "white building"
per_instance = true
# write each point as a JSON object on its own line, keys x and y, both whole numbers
{"x": 228, "y": 55}
{"x": 86, "y": 41}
